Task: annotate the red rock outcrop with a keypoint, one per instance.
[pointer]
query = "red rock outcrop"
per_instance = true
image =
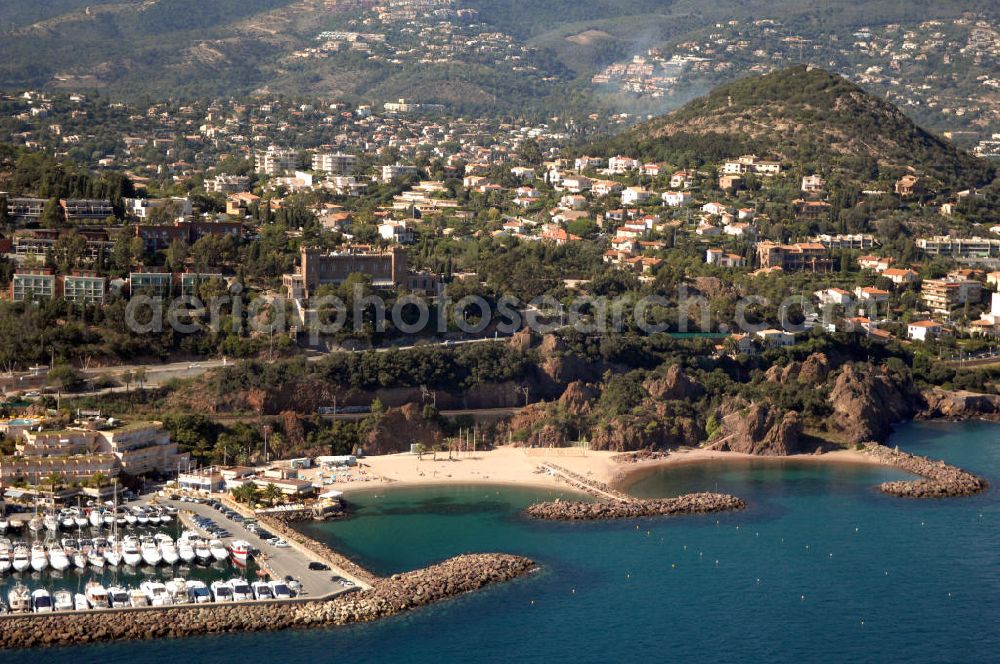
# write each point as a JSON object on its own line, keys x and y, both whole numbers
{"x": 400, "y": 427}
{"x": 866, "y": 402}
{"x": 674, "y": 384}
{"x": 759, "y": 429}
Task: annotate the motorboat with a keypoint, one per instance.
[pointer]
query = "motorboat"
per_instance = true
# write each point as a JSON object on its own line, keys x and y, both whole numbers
{"x": 95, "y": 518}
{"x": 97, "y": 596}
{"x": 143, "y": 519}
{"x": 202, "y": 550}
{"x": 19, "y": 599}
{"x": 4, "y": 524}
{"x": 62, "y": 600}
{"x": 137, "y": 598}
{"x": 39, "y": 559}
{"x": 118, "y": 598}
{"x": 130, "y": 551}
{"x": 79, "y": 559}
{"x": 131, "y": 519}
{"x": 51, "y": 522}
{"x": 198, "y": 592}
{"x": 108, "y": 518}
{"x": 165, "y": 518}
{"x": 150, "y": 552}
{"x": 21, "y": 559}
{"x": 221, "y": 592}
{"x": 157, "y": 593}
{"x": 80, "y": 602}
{"x": 58, "y": 558}
{"x": 241, "y": 590}
{"x": 185, "y": 550}
{"x": 95, "y": 559}
{"x": 5, "y": 562}
{"x": 280, "y": 590}
{"x": 41, "y": 601}
{"x": 35, "y": 524}
{"x": 261, "y": 590}
{"x": 218, "y": 550}
{"x": 169, "y": 552}
{"x": 66, "y": 521}
{"x": 79, "y": 520}
{"x": 178, "y": 590}
{"x": 240, "y": 550}
{"x": 112, "y": 554}
{"x": 154, "y": 518}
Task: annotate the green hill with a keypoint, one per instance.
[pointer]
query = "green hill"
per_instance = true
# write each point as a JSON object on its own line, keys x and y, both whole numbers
{"x": 801, "y": 114}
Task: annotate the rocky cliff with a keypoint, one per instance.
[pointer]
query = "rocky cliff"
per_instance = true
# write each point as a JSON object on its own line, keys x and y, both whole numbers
{"x": 757, "y": 429}
{"x": 866, "y": 401}
{"x": 401, "y": 427}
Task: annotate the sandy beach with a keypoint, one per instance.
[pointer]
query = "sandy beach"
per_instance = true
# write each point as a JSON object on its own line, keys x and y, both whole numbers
{"x": 519, "y": 466}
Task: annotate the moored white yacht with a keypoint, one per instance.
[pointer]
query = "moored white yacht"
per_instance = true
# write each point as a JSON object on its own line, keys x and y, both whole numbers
{"x": 199, "y": 592}
{"x": 261, "y": 590}
{"x": 221, "y": 592}
{"x": 279, "y": 590}
{"x": 177, "y": 588}
{"x": 137, "y": 598}
{"x": 51, "y": 522}
{"x": 185, "y": 550}
{"x": 41, "y": 601}
{"x": 241, "y": 590}
{"x": 130, "y": 551}
{"x": 169, "y": 552}
{"x": 95, "y": 518}
{"x": 21, "y": 559}
{"x": 19, "y": 598}
{"x": 218, "y": 550}
{"x": 62, "y": 600}
{"x": 118, "y": 598}
{"x": 5, "y": 562}
{"x": 96, "y": 559}
{"x": 202, "y": 550}
{"x": 80, "y": 602}
{"x": 96, "y": 595}
{"x": 150, "y": 552}
{"x": 58, "y": 558}
{"x": 39, "y": 559}
{"x": 157, "y": 593}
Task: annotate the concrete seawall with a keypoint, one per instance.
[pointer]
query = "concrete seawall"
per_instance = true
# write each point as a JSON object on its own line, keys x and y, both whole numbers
{"x": 940, "y": 479}
{"x": 387, "y": 597}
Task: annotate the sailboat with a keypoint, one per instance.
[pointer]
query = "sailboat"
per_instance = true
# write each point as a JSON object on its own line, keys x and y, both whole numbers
{"x": 51, "y": 522}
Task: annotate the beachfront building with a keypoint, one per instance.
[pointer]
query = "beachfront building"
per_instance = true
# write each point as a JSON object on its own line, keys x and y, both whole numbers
{"x": 142, "y": 448}
{"x": 40, "y": 469}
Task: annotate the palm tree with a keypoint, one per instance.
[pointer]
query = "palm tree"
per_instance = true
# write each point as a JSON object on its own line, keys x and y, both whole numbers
{"x": 246, "y": 493}
{"x": 271, "y": 494}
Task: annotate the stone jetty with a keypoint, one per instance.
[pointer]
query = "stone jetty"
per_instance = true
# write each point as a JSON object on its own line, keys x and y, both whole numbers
{"x": 692, "y": 503}
{"x": 940, "y": 479}
{"x": 387, "y": 597}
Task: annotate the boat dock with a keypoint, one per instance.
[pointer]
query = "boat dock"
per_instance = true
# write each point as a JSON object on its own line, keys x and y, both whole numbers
{"x": 589, "y": 486}
{"x": 292, "y": 560}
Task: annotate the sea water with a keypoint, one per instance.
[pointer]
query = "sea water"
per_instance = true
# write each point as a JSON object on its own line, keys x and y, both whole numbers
{"x": 820, "y": 567}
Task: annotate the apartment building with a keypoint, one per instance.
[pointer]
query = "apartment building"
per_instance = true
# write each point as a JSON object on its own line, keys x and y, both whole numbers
{"x": 811, "y": 256}
{"x": 943, "y": 296}
{"x": 334, "y": 163}
{"x": 30, "y": 285}
{"x": 969, "y": 247}
{"x": 84, "y": 288}
{"x": 275, "y": 161}
{"x": 846, "y": 241}
{"x": 86, "y": 210}
{"x": 157, "y": 284}
{"x": 227, "y": 184}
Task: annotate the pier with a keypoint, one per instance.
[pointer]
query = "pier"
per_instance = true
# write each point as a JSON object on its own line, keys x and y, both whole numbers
{"x": 589, "y": 486}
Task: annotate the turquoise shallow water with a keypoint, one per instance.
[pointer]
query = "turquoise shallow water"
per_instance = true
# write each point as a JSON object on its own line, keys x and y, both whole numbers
{"x": 820, "y": 568}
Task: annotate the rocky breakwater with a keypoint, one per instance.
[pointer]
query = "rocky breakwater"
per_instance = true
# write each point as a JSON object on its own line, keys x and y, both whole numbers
{"x": 692, "y": 503}
{"x": 391, "y": 596}
{"x": 940, "y": 479}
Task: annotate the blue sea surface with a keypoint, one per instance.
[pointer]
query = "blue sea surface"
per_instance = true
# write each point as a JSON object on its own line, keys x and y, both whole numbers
{"x": 821, "y": 567}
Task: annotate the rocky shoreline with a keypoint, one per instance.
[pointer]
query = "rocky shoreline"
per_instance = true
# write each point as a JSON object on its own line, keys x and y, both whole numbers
{"x": 387, "y": 597}
{"x": 940, "y": 479}
{"x": 692, "y": 503}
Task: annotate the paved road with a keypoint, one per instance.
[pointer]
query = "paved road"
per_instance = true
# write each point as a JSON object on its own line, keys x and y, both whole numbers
{"x": 284, "y": 562}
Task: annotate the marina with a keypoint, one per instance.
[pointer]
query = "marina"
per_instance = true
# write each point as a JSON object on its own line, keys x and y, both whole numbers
{"x": 137, "y": 556}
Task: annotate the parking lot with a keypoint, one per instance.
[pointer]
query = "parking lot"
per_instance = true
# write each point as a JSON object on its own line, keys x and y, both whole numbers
{"x": 218, "y": 521}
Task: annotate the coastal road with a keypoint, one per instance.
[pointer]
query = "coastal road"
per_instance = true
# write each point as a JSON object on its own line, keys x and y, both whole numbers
{"x": 282, "y": 561}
